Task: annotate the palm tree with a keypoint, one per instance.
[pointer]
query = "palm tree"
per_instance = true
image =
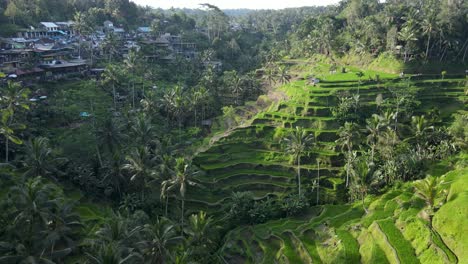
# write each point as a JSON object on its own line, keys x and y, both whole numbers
{"x": 158, "y": 240}
{"x": 373, "y": 127}
{"x": 297, "y": 143}
{"x": 429, "y": 190}
{"x": 112, "y": 75}
{"x": 283, "y": 75}
{"x": 184, "y": 171}
{"x": 359, "y": 74}
{"x": 407, "y": 35}
{"x": 110, "y": 253}
{"x": 111, "y": 134}
{"x": 420, "y": 126}
{"x": 348, "y": 135}
{"x": 140, "y": 164}
{"x": 13, "y": 97}
{"x": 38, "y": 157}
{"x": 319, "y": 161}
{"x": 131, "y": 63}
{"x": 110, "y": 45}
{"x": 143, "y": 131}
{"x": 200, "y": 232}
{"x": 80, "y": 24}
{"x": 269, "y": 75}
{"x": 114, "y": 175}
{"x": 165, "y": 172}
{"x": 363, "y": 173}
{"x": 427, "y": 26}
{"x": 63, "y": 229}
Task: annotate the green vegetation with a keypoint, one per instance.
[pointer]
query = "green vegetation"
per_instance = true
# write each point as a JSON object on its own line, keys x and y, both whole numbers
{"x": 310, "y": 135}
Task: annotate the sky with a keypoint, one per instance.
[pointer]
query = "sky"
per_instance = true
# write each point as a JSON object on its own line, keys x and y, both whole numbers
{"x": 235, "y": 4}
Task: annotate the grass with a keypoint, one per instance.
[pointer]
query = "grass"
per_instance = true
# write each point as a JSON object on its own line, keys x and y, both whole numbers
{"x": 403, "y": 248}
{"x": 451, "y": 221}
{"x": 369, "y": 250}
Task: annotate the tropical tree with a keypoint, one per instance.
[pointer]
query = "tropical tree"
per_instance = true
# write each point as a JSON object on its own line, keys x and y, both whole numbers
{"x": 110, "y": 253}
{"x": 13, "y": 98}
{"x": 407, "y": 35}
{"x": 200, "y": 232}
{"x": 140, "y": 164}
{"x": 166, "y": 172}
{"x": 420, "y": 126}
{"x": 359, "y": 74}
{"x": 80, "y": 24}
{"x": 373, "y": 128}
{"x": 114, "y": 178}
{"x": 112, "y": 74}
{"x": 143, "y": 131}
{"x": 297, "y": 143}
{"x": 430, "y": 191}
{"x": 131, "y": 64}
{"x": 110, "y": 46}
{"x": 158, "y": 239}
{"x": 38, "y": 159}
{"x": 184, "y": 172}
{"x": 348, "y": 136}
{"x": 363, "y": 177}
{"x": 110, "y": 134}
{"x": 283, "y": 75}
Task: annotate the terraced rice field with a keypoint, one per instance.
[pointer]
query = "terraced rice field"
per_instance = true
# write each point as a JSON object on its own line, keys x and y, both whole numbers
{"x": 391, "y": 232}
{"x": 252, "y": 159}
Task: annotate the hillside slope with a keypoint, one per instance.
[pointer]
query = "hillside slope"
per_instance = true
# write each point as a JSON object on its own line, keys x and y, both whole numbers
{"x": 393, "y": 231}
{"x": 251, "y": 158}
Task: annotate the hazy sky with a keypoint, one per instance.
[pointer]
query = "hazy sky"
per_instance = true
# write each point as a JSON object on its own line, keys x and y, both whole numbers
{"x": 233, "y": 4}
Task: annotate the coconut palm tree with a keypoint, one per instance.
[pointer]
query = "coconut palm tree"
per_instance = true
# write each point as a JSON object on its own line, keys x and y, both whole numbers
{"x": 363, "y": 172}
{"x": 80, "y": 24}
{"x": 200, "y": 232}
{"x": 143, "y": 131}
{"x": 110, "y": 253}
{"x": 38, "y": 159}
{"x": 110, "y": 45}
{"x": 359, "y": 74}
{"x": 319, "y": 162}
{"x": 158, "y": 240}
{"x": 348, "y": 135}
{"x": 298, "y": 142}
{"x": 429, "y": 190}
{"x": 184, "y": 172}
{"x": 270, "y": 75}
{"x": 63, "y": 228}
{"x": 140, "y": 164}
{"x": 373, "y": 128}
{"x": 420, "y": 126}
{"x": 110, "y": 134}
{"x": 114, "y": 176}
{"x": 165, "y": 172}
{"x": 131, "y": 64}
{"x": 407, "y": 35}
{"x": 283, "y": 75}
{"x": 13, "y": 98}
{"x": 112, "y": 74}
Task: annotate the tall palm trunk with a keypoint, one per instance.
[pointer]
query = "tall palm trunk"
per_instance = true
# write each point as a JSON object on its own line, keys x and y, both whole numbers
{"x": 6, "y": 149}
{"x": 167, "y": 203}
{"x": 299, "y": 174}
{"x": 182, "y": 216}
{"x": 347, "y": 168}
{"x": 114, "y": 94}
{"x": 428, "y": 45}
{"x": 318, "y": 182}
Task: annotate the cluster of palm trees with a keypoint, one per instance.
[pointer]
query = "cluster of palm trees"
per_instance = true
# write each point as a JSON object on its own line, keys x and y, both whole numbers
{"x": 382, "y": 157}
{"x": 276, "y": 73}
{"x": 40, "y": 225}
